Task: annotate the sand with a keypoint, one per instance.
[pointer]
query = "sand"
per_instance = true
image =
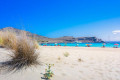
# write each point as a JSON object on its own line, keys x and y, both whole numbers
{"x": 82, "y": 64}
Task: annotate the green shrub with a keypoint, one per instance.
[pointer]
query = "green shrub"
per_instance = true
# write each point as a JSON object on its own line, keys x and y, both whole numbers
{"x": 48, "y": 73}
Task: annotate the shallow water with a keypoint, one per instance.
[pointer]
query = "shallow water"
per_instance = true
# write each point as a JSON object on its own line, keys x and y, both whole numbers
{"x": 107, "y": 44}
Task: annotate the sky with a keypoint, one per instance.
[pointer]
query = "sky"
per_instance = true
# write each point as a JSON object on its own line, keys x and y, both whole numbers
{"x": 57, "y": 18}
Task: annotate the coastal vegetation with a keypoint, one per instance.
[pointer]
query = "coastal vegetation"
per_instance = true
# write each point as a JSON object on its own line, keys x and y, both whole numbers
{"x": 59, "y": 58}
{"x": 23, "y": 50}
{"x": 8, "y": 39}
{"x": 48, "y": 72}
{"x": 66, "y": 54}
{"x": 79, "y": 60}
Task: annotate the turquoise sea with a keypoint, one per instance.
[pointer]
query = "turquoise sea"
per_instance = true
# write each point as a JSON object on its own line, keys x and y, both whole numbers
{"x": 107, "y": 44}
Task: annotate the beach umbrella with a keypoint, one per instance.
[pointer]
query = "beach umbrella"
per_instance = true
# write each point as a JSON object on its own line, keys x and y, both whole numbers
{"x": 104, "y": 44}
{"x": 89, "y": 44}
{"x": 116, "y": 44}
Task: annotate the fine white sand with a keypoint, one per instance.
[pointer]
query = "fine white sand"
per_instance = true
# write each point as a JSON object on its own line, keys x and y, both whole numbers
{"x": 81, "y": 64}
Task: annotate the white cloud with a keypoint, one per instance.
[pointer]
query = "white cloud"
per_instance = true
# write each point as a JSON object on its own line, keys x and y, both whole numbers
{"x": 116, "y": 31}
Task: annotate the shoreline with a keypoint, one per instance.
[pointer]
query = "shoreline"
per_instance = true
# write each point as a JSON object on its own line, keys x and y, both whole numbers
{"x": 106, "y": 45}
{"x": 80, "y": 47}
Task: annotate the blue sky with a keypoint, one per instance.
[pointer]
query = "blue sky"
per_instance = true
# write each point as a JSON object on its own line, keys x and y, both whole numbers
{"x": 57, "y": 18}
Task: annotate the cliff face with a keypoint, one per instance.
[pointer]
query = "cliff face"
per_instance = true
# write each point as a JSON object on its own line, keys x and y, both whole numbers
{"x": 79, "y": 39}
{"x": 89, "y": 39}
{"x": 61, "y": 39}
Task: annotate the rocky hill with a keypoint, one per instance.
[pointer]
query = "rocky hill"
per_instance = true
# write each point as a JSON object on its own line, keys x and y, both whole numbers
{"x": 79, "y": 39}
{"x": 61, "y": 39}
{"x": 17, "y": 31}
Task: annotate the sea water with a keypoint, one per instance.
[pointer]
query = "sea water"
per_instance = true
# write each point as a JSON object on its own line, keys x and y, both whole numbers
{"x": 107, "y": 44}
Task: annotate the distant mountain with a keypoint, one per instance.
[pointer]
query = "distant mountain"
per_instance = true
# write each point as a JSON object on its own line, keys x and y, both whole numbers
{"x": 61, "y": 39}
{"x": 79, "y": 39}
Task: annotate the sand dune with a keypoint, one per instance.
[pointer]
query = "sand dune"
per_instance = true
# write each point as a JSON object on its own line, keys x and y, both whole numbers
{"x": 81, "y": 64}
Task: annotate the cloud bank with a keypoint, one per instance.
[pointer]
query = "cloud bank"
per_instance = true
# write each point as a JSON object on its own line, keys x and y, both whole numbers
{"x": 116, "y": 31}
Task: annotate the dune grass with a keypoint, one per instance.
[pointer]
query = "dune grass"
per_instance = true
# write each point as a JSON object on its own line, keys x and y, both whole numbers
{"x": 1, "y": 41}
{"x": 80, "y": 60}
{"x": 8, "y": 39}
{"x": 23, "y": 49}
{"x": 66, "y": 54}
{"x": 59, "y": 58}
{"x": 36, "y": 44}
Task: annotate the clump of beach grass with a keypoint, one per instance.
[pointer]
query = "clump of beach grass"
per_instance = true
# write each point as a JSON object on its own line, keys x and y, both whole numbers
{"x": 80, "y": 60}
{"x": 23, "y": 49}
{"x": 59, "y": 58}
{"x": 36, "y": 44}
{"x": 66, "y": 54}
{"x": 8, "y": 39}
{"x": 1, "y": 41}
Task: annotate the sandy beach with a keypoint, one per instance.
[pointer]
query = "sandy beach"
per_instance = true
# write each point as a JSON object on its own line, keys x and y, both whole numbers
{"x": 82, "y": 63}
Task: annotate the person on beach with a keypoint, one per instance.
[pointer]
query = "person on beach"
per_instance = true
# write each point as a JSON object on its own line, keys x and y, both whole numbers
{"x": 76, "y": 45}
{"x": 103, "y": 45}
{"x": 116, "y": 46}
{"x": 87, "y": 45}
{"x": 65, "y": 44}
